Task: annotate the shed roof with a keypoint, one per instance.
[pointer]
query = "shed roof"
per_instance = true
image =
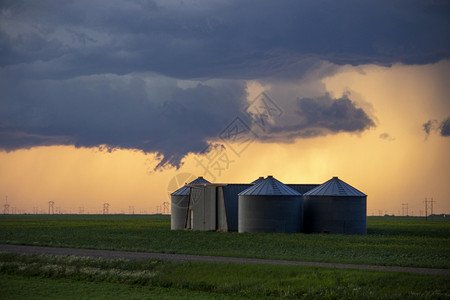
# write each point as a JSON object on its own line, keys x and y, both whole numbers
{"x": 335, "y": 187}
{"x": 270, "y": 186}
{"x": 185, "y": 189}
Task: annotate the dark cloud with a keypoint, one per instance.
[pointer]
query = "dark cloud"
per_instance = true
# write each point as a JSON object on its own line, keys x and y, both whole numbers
{"x": 324, "y": 115}
{"x": 154, "y": 114}
{"x": 386, "y": 136}
{"x": 429, "y": 126}
{"x": 233, "y": 39}
{"x": 445, "y": 127}
{"x": 433, "y": 125}
{"x": 101, "y": 72}
{"x": 119, "y": 113}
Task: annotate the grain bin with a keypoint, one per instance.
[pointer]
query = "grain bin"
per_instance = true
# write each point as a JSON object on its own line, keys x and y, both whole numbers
{"x": 179, "y": 202}
{"x": 335, "y": 207}
{"x": 270, "y": 206}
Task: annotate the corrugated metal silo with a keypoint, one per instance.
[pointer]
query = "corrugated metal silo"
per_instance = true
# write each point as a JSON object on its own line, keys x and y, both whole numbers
{"x": 270, "y": 206}
{"x": 335, "y": 207}
{"x": 179, "y": 202}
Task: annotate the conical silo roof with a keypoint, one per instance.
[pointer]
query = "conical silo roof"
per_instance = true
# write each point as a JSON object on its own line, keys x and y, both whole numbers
{"x": 335, "y": 187}
{"x": 257, "y": 180}
{"x": 185, "y": 189}
{"x": 270, "y": 186}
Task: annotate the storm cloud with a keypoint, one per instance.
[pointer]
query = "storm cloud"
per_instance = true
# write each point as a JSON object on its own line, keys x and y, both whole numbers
{"x": 167, "y": 76}
{"x": 320, "y": 116}
{"x": 233, "y": 39}
{"x": 155, "y": 116}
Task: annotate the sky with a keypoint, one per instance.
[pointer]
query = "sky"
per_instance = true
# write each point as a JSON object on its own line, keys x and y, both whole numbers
{"x": 122, "y": 102}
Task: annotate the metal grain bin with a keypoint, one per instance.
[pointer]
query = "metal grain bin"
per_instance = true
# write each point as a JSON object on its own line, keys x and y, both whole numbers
{"x": 179, "y": 202}
{"x": 335, "y": 207}
{"x": 270, "y": 206}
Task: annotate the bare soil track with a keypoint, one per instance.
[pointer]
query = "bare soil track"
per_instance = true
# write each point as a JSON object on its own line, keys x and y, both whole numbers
{"x": 108, "y": 254}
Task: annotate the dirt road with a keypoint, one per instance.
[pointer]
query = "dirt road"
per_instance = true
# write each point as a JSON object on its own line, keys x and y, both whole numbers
{"x": 107, "y": 254}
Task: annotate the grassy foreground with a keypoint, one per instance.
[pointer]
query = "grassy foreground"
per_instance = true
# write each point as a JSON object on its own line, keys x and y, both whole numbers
{"x": 395, "y": 241}
{"x": 37, "y": 288}
{"x": 77, "y": 278}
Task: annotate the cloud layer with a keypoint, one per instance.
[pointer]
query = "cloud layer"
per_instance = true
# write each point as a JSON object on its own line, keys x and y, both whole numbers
{"x": 159, "y": 116}
{"x": 238, "y": 39}
{"x": 167, "y": 76}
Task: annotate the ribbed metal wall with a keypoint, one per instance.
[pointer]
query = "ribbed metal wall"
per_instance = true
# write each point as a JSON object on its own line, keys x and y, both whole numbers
{"x": 335, "y": 214}
{"x": 270, "y": 213}
{"x": 202, "y": 208}
{"x": 231, "y": 199}
{"x": 178, "y": 211}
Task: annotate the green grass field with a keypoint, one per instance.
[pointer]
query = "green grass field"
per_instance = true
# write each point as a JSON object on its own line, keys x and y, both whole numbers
{"x": 390, "y": 241}
{"x": 209, "y": 280}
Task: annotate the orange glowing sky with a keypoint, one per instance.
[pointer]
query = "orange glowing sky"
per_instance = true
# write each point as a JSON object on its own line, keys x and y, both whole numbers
{"x": 405, "y": 166}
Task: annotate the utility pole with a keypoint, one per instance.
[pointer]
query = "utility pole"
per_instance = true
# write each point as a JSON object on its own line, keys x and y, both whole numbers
{"x": 432, "y": 205}
{"x": 166, "y": 208}
{"x": 105, "y": 208}
{"x": 6, "y": 207}
{"x": 51, "y": 204}
{"x": 405, "y": 208}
